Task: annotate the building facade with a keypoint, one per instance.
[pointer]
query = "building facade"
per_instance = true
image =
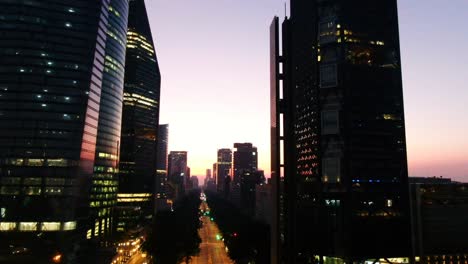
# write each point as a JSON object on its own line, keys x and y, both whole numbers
{"x": 339, "y": 164}
{"x": 104, "y": 189}
{"x": 161, "y": 162}
{"x": 140, "y": 119}
{"x": 177, "y": 172}
{"x": 244, "y": 164}
{"x": 439, "y": 215}
{"x": 56, "y": 78}
{"x": 223, "y": 169}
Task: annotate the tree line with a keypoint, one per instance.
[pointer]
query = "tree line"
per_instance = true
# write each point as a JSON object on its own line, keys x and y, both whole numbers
{"x": 174, "y": 236}
{"x": 248, "y": 241}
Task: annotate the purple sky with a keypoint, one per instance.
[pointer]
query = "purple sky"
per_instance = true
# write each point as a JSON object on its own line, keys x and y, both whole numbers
{"x": 214, "y": 60}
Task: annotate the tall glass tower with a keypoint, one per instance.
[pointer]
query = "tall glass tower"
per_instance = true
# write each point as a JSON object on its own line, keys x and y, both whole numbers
{"x": 55, "y": 82}
{"x": 140, "y": 120}
{"x": 338, "y": 122}
{"x": 105, "y": 182}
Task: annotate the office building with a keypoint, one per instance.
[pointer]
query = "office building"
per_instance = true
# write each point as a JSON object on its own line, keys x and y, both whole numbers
{"x": 194, "y": 180}
{"x": 139, "y": 122}
{"x": 244, "y": 163}
{"x": 177, "y": 171}
{"x": 105, "y": 181}
{"x": 248, "y": 185}
{"x": 163, "y": 141}
{"x": 60, "y": 126}
{"x": 223, "y": 169}
{"x": 161, "y": 161}
{"x": 439, "y": 208}
{"x": 338, "y": 134}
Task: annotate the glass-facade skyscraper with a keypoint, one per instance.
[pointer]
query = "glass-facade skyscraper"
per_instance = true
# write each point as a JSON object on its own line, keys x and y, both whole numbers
{"x": 339, "y": 163}
{"x": 56, "y": 117}
{"x": 140, "y": 120}
{"x": 105, "y": 182}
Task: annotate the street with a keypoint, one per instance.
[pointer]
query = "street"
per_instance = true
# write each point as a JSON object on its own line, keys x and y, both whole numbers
{"x": 212, "y": 249}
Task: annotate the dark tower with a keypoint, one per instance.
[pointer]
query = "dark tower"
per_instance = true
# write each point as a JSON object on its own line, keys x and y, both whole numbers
{"x": 223, "y": 170}
{"x": 139, "y": 121}
{"x": 245, "y": 160}
{"x": 339, "y": 94}
{"x": 161, "y": 161}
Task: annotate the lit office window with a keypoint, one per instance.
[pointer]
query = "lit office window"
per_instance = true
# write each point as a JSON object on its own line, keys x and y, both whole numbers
{"x": 50, "y": 226}
{"x": 28, "y": 226}
{"x": 7, "y": 226}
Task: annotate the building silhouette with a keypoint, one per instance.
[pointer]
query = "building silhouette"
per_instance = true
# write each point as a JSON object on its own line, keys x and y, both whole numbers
{"x": 161, "y": 161}
{"x": 245, "y": 162}
{"x": 60, "y": 104}
{"x": 177, "y": 172}
{"x": 139, "y": 122}
{"x": 338, "y": 134}
{"x": 439, "y": 207}
{"x": 223, "y": 169}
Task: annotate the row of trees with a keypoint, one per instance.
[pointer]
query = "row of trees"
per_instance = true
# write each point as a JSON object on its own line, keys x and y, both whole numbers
{"x": 174, "y": 237}
{"x": 248, "y": 240}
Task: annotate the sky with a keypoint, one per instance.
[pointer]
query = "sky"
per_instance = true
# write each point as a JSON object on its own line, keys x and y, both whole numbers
{"x": 214, "y": 60}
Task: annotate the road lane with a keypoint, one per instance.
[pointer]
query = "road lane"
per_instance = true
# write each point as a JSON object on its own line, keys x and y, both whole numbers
{"x": 212, "y": 250}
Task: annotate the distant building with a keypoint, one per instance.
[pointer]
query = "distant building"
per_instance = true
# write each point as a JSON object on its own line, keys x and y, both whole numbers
{"x": 248, "y": 185}
{"x": 263, "y": 203}
{"x": 195, "y": 183}
{"x": 177, "y": 172}
{"x": 440, "y": 217}
{"x": 429, "y": 180}
{"x": 140, "y": 121}
{"x": 161, "y": 162}
{"x": 244, "y": 162}
{"x": 223, "y": 169}
{"x": 163, "y": 141}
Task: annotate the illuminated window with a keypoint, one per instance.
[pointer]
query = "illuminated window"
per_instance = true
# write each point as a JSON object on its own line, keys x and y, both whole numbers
{"x": 2, "y": 212}
{"x": 327, "y": 32}
{"x": 32, "y": 190}
{"x": 9, "y": 190}
{"x": 32, "y": 181}
{"x": 7, "y": 226}
{"x": 69, "y": 226}
{"x": 328, "y": 76}
{"x": 28, "y": 226}
{"x": 50, "y": 226}
{"x": 389, "y": 202}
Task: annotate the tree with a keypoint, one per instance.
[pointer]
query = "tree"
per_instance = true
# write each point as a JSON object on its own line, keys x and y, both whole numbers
{"x": 174, "y": 236}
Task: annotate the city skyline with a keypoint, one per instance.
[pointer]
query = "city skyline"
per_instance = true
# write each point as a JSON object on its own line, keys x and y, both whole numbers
{"x": 236, "y": 99}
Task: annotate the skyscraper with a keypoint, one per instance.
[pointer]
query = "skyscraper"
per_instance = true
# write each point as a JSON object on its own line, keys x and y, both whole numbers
{"x": 105, "y": 182}
{"x": 163, "y": 141}
{"x": 177, "y": 171}
{"x": 56, "y": 78}
{"x": 139, "y": 121}
{"x": 223, "y": 168}
{"x": 245, "y": 161}
{"x": 337, "y": 102}
{"x": 161, "y": 162}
